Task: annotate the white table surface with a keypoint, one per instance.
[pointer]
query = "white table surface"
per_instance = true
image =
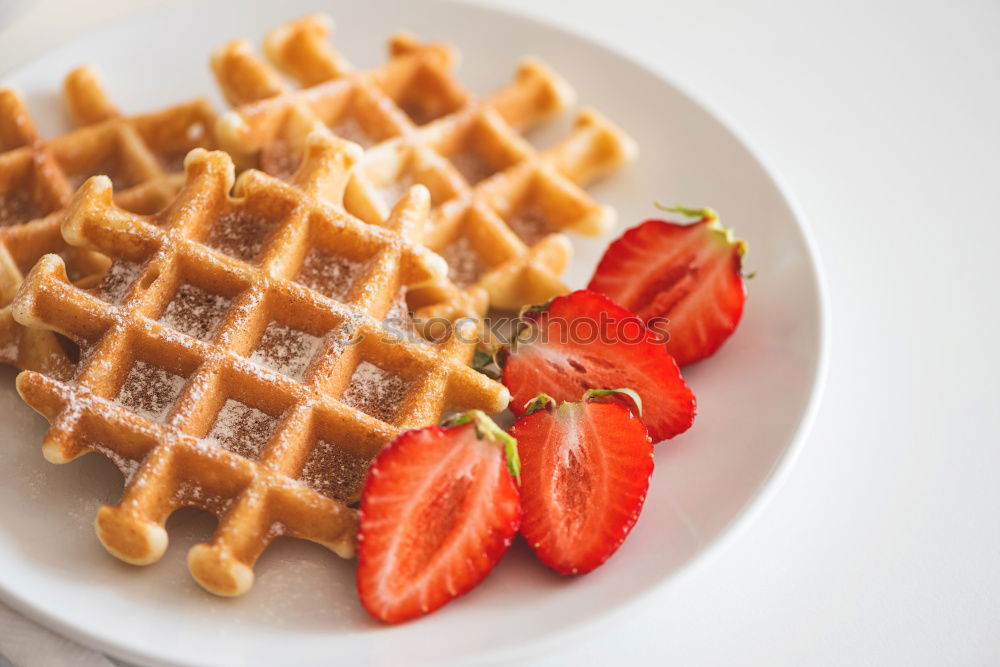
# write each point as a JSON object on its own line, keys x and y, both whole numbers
{"x": 882, "y": 545}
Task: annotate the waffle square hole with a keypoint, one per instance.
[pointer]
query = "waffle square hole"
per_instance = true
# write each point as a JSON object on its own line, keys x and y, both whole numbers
{"x": 280, "y": 159}
{"x": 334, "y": 471}
{"x": 428, "y": 95}
{"x": 17, "y": 207}
{"x": 171, "y": 163}
{"x": 428, "y": 174}
{"x": 540, "y": 206}
{"x": 529, "y": 222}
{"x": 399, "y": 310}
{"x": 398, "y": 320}
{"x": 286, "y": 350}
{"x": 241, "y": 429}
{"x": 171, "y": 147}
{"x": 375, "y": 391}
{"x": 471, "y": 164}
{"x": 350, "y": 127}
{"x": 115, "y": 284}
{"x": 392, "y": 190}
{"x": 241, "y": 234}
{"x": 330, "y": 275}
{"x": 465, "y": 265}
{"x": 28, "y": 189}
{"x": 145, "y": 202}
{"x": 195, "y": 311}
{"x": 79, "y": 263}
{"x": 149, "y": 391}
{"x": 363, "y": 120}
{"x": 477, "y": 149}
{"x": 108, "y": 156}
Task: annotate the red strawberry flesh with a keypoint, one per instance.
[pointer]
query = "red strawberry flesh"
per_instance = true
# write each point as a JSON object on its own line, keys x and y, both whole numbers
{"x": 586, "y": 470}
{"x": 684, "y": 280}
{"x": 438, "y": 509}
{"x": 563, "y": 361}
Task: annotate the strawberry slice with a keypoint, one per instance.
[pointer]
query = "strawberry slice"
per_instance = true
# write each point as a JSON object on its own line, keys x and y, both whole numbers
{"x": 586, "y": 472}
{"x": 684, "y": 281}
{"x": 438, "y": 508}
{"x": 586, "y": 341}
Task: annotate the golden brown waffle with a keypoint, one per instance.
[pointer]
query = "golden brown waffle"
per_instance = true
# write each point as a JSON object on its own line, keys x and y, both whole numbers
{"x": 498, "y": 205}
{"x": 218, "y": 369}
{"x": 141, "y": 154}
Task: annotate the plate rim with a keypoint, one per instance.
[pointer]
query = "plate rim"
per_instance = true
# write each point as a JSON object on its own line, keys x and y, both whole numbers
{"x": 737, "y": 525}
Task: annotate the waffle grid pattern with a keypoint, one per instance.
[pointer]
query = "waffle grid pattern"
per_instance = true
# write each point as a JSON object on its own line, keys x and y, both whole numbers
{"x": 498, "y": 204}
{"x": 143, "y": 154}
{"x": 192, "y": 419}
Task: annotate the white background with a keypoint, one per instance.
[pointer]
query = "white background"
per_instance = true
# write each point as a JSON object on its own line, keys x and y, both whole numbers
{"x": 883, "y": 544}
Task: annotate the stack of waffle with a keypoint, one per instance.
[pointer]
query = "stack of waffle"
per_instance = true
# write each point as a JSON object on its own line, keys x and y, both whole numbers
{"x": 247, "y": 344}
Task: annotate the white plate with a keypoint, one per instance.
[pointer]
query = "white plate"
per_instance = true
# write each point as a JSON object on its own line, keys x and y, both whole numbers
{"x": 754, "y": 397}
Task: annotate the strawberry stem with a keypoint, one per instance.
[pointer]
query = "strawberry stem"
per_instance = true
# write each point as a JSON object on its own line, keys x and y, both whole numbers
{"x": 487, "y": 429}
{"x": 712, "y": 217}
{"x": 540, "y": 402}
{"x": 704, "y": 213}
{"x": 630, "y": 394}
{"x": 533, "y": 308}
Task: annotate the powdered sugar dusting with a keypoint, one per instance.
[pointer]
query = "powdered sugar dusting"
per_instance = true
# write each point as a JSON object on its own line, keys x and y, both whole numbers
{"x": 334, "y": 472}
{"x": 392, "y": 191}
{"x": 276, "y": 529}
{"x": 8, "y": 350}
{"x": 398, "y": 318}
{"x": 17, "y": 207}
{"x": 399, "y": 310}
{"x": 195, "y": 311}
{"x": 241, "y": 429}
{"x": 375, "y": 391}
{"x": 285, "y": 349}
{"x": 464, "y": 265}
{"x": 471, "y": 165}
{"x": 330, "y": 275}
{"x": 279, "y": 160}
{"x": 240, "y": 234}
{"x": 530, "y": 224}
{"x": 149, "y": 391}
{"x": 117, "y": 281}
{"x": 190, "y": 492}
{"x": 350, "y": 129}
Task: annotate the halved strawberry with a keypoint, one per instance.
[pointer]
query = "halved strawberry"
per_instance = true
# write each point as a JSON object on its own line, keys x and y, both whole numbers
{"x": 438, "y": 508}
{"x": 585, "y": 341}
{"x": 684, "y": 281}
{"x": 586, "y": 472}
